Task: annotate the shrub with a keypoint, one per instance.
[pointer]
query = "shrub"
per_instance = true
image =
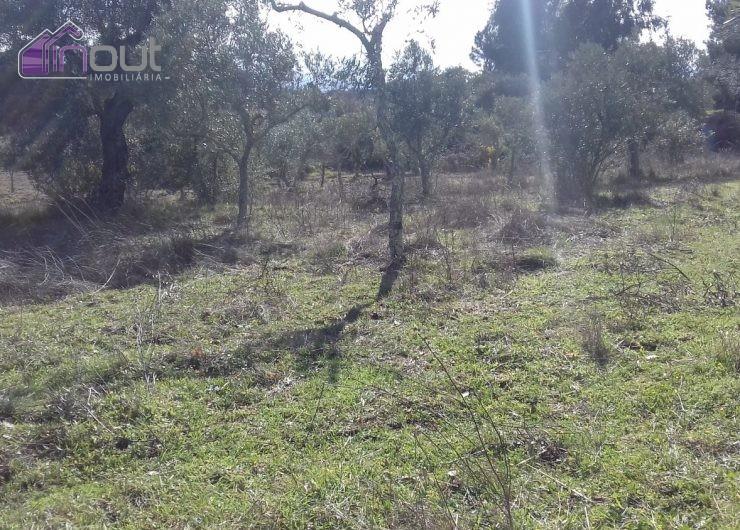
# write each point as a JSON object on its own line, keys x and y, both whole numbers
{"x": 525, "y": 226}
{"x": 585, "y": 124}
{"x": 678, "y": 136}
{"x": 326, "y": 254}
{"x": 466, "y": 212}
{"x": 66, "y": 168}
{"x": 723, "y": 131}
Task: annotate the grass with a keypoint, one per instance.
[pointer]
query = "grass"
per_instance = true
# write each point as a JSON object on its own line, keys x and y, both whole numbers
{"x": 278, "y": 392}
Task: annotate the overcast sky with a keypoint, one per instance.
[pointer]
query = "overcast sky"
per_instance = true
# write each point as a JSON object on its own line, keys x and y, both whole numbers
{"x": 453, "y": 30}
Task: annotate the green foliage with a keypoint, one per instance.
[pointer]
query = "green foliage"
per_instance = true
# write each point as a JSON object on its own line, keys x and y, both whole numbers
{"x": 65, "y": 162}
{"x": 677, "y": 137}
{"x": 353, "y": 137}
{"x": 557, "y": 30}
{"x": 724, "y": 54}
{"x": 607, "y": 24}
{"x": 603, "y": 101}
{"x": 501, "y": 45}
{"x": 289, "y": 148}
{"x": 586, "y": 108}
{"x": 428, "y": 108}
{"x": 516, "y": 121}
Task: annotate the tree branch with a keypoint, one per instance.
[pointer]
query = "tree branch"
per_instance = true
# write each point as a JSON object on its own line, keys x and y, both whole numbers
{"x": 333, "y": 18}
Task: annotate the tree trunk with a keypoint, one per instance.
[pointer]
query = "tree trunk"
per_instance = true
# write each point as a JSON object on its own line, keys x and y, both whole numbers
{"x": 512, "y": 168}
{"x": 395, "y": 222}
{"x": 115, "y": 174}
{"x": 633, "y": 149}
{"x": 395, "y": 202}
{"x": 245, "y": 191}
{"x": 426, "y": 177}
{"x": 574, "y": 187}
{"x": 340, "y": 179}
{"x": 12, "y": 181}
{"x": 216, "y": 179}
{"x": 397, "y": 178}
{"x": 323, "y": 174}
{"x": 395, "y": 207}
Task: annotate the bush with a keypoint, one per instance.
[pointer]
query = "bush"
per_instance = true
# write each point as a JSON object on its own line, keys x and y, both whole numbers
{"x": 466, "y": 212}
{"x": 723, "y": 131}
{"x": 525, "y": 226}
{"x": 585, "y": 125}
{"x": 677, "y": 137}
{"x": 66, "y": 168}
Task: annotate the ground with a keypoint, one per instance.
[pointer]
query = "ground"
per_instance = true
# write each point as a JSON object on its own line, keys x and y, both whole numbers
{"x": 574, "y": 371}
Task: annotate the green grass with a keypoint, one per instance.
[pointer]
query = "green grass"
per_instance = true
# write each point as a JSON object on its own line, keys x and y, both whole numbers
{"x": 254, "y": 398}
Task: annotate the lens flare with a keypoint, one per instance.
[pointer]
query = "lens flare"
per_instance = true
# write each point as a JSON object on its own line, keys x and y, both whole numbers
{"x": 542, "y": 142}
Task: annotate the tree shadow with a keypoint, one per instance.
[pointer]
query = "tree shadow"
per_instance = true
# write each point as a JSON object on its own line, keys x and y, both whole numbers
{"x": 314, "y": 344}
{"x": 311, "y": 346}
{"x": 323, "y": 341}
{"x": 388, "y": 280}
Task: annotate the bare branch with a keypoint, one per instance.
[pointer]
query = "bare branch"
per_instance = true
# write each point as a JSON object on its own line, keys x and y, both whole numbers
{"x": 333, "y": 18}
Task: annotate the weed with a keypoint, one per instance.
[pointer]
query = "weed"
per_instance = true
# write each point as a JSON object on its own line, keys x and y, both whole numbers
{"x": 727, "y": 350}
{"x": 146, "y": 328}
{"x": 593, "y": 340}
{"x": 484, "y": 466}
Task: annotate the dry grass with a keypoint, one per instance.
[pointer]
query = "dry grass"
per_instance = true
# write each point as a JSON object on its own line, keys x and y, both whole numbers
{"x": 48, "y": 251}
{"x": 728, "y": 350}
{"x": 25, "y": 198}
{"x": 593, "y": 339}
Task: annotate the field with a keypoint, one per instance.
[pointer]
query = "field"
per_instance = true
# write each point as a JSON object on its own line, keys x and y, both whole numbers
{"x": 576, "y": 371}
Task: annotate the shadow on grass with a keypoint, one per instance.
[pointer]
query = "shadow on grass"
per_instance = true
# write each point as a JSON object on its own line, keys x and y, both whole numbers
{"x": 314, "y": 344}
{"x": 390, "y": 276}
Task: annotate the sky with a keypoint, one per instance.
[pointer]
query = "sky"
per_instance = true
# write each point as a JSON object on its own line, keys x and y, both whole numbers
{"x": 451, "y": 33}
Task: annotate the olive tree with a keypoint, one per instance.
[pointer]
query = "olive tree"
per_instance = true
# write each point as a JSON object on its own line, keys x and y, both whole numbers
{"x": 105, "y": 106}
{"x": 367, "y": 20}
{"x": 661, "y": 80}
{"x": 259, "y": 86}
{"x": 248, "y": 83}
{"x": 586, "y": 106}
{"x": 427, "y": 107}
{"x": 289, "y": 148}
{"x": 605, "y": 103}
{"x": 515, "y": 118}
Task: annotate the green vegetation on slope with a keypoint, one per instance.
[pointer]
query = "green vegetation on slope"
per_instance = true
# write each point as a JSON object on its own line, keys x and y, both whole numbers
{"x": 283, "y": 394}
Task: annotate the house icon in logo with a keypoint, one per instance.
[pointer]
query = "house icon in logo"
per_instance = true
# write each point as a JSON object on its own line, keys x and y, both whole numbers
{"x": 45, "y": 56}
